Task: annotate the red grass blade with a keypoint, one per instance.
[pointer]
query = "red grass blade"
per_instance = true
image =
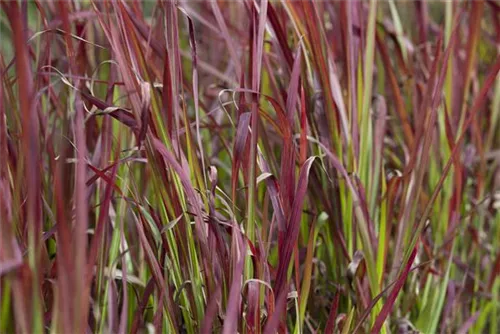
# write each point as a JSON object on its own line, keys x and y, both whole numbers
{"x": 233, "y": 305}
{"x": 332, "y": 316}
{"x": 292, "y": 231}
{"x": 387, "y": 308}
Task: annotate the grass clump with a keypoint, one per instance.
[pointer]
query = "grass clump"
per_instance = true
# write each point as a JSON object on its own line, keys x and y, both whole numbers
{"x": 252, "y": 167}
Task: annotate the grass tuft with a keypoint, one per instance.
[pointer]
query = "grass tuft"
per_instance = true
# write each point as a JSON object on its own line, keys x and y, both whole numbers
{"x": 249, "y": 167}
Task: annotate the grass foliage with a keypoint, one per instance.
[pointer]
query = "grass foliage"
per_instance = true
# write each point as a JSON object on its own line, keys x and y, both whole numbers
{"x": 249, "y": 166}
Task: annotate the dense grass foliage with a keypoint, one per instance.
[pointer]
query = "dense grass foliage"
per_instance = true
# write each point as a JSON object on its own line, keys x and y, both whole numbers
{"x": 249, "y": 166}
